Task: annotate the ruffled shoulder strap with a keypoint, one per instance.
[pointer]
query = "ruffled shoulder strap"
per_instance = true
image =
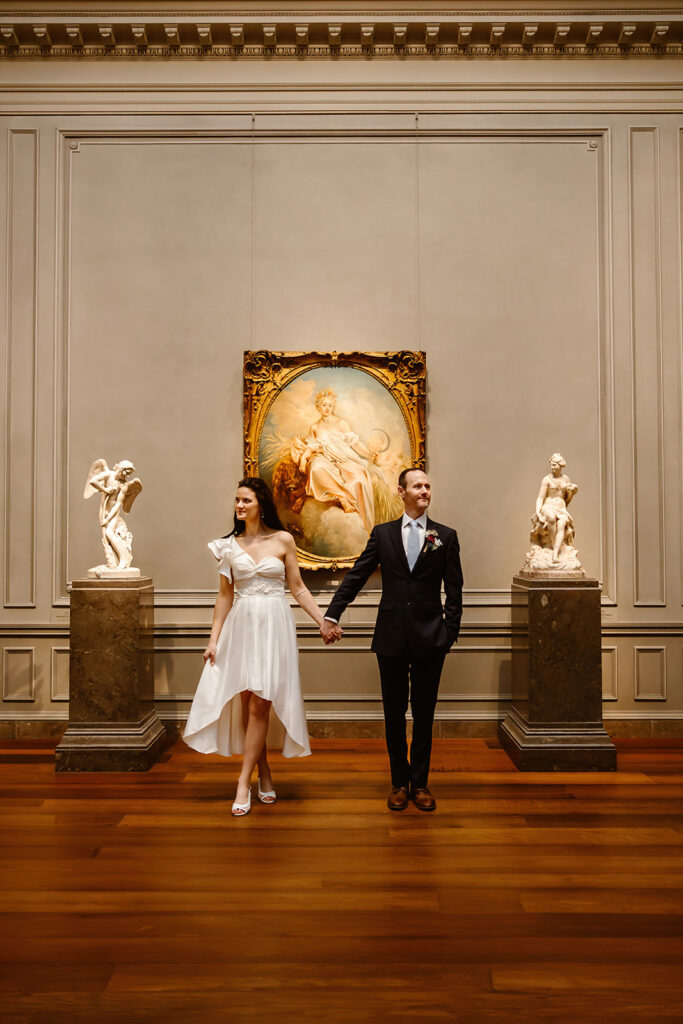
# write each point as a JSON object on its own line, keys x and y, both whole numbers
{"x": 221, "y": 549}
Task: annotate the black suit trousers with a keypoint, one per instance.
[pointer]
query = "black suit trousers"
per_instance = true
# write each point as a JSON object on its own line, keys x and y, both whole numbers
{"x": 416, "y": 676}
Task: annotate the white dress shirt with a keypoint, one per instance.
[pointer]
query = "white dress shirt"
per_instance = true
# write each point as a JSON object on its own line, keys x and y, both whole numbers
{"x": 406, "y": 528}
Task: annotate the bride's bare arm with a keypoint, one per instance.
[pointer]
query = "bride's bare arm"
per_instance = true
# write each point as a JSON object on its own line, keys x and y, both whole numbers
{"x": 299, "y": 592}
{"x": 221, "y": 608}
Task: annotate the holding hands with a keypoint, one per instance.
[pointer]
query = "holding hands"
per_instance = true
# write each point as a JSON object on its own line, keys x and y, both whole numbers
{"x": 330, "y": 631}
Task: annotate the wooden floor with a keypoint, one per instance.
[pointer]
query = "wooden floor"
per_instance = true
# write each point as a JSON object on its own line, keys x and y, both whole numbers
{"x": 525, "y": 897}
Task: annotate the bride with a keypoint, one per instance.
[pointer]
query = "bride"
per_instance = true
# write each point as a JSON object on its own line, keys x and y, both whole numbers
{"x": 250, "y": 662}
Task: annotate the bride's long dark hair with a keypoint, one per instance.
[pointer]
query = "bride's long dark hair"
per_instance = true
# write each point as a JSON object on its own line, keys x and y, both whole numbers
{"x": 269, "y": 516}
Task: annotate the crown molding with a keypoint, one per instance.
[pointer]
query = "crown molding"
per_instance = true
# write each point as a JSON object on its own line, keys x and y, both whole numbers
{"x": 242, "y": 31}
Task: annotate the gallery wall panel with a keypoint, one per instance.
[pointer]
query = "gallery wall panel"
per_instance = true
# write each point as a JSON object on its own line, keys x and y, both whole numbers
{"x": 610, "y": 686}
{"x": 59, "y": 674}
{"x": 678, "y": 417}
{"x": 510, "y": 266}
{"x": 34, "y": 665}
{"x": 335, "y": 245}
{"x": 646, "y": 342}
{"x": 21, "y": 334}
{"x": 18, "y": 674}
{"x": 159, "y": 311}
{"x": 177, "y": 669}
{"x": 649, "y": 672}
{"x": 341, "y": 243}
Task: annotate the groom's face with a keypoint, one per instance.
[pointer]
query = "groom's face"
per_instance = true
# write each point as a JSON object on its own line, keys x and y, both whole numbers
{"x": 417, "y": 493}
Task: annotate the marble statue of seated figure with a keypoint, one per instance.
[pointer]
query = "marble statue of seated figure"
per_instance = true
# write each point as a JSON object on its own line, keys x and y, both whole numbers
{"x": 552, "y": 526}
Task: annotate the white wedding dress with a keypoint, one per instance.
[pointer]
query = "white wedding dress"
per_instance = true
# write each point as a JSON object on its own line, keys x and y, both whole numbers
{"x": 256, "y": 651}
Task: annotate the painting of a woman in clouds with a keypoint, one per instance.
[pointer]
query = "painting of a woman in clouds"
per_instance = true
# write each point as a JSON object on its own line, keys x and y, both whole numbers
{"x": 335, "y": 462}
{"x": 333, "y": 443}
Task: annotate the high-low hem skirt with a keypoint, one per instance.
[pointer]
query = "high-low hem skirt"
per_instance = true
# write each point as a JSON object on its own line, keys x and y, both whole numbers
{"x": 256, "y": 651}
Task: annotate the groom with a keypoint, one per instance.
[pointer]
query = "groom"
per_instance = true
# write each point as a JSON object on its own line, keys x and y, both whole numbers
{"x": 413, "y": 631}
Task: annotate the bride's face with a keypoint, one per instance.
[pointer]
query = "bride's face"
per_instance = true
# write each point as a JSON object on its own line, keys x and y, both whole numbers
{"x": 247, "y": 508}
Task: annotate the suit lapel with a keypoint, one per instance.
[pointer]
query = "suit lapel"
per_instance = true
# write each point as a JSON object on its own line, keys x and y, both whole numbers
{"x": 423, "y": 549}
{"x": 396, "y": 537}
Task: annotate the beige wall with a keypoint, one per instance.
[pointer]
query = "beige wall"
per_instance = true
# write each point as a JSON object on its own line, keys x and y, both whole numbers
{"x": 528, "y": 240}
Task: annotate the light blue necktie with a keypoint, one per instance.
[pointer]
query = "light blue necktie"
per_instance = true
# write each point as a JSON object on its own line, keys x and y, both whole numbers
{"x": 413, "y": 548}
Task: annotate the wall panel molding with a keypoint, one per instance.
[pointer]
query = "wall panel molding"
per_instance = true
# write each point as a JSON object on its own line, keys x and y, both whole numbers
{"x": 649, "y": 675}
{"x": 679, "y": 276}
{"x": 52, "y": 715}
{"x": 485, "y": 715}
{"x": 646, "y": 368}
{"x": 59, "y": 674}
{"x": 472, "y": 598}
{"x": 470, "y": 630}
{"x": 609, "y": 673}
{"x": 21, "y": 369}
{"x": 606, "y": 369}
{"x": 177, "y": 715}
{"x": 608, "y": 530}
{"x": 18, "y": 674}
{"x": 60, "y": 454}
{"x": 174, "y": 652}
{"x": 286, "y": 129}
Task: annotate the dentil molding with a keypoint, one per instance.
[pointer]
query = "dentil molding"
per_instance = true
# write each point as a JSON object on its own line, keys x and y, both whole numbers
{"x": 43, "y": 31}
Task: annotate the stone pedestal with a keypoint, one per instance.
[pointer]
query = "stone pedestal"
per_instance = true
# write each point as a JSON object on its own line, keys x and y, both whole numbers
{"x": 113, "y": 726}
{"x": 555, "y": 723}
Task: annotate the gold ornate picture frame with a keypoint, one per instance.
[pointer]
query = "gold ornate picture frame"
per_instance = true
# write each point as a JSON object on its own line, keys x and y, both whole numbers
{"x": 329, "y": 432}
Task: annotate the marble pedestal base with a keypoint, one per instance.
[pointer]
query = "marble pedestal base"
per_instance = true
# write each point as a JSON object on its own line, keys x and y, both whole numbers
{"x": 113, "y": 726}
{"x": 555, "y": 723}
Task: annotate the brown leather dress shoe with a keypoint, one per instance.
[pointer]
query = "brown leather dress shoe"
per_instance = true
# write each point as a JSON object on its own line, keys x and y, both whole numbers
{"x": 398, "y": 798}
{"x": 423, "y": 799}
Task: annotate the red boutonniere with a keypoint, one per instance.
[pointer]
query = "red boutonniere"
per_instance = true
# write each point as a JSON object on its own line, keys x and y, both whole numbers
{"x": 432, "y": 541}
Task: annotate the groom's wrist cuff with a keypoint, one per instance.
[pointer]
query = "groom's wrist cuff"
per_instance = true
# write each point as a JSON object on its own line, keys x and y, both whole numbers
{"x": 328, "y": 618}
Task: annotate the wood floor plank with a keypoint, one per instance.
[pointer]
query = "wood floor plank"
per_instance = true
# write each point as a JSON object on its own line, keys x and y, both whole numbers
{"x": 586, "y": 901}
{"x": 586, "y": 977}
{"x": 44, "y": 977}
{"x": 160, "y": 901}
{"x": 249, "y": 945}
{"x": 132, "y": 978}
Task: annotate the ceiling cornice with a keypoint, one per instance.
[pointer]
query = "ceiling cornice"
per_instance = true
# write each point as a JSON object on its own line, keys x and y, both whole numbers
{"x": 110, "y": 31}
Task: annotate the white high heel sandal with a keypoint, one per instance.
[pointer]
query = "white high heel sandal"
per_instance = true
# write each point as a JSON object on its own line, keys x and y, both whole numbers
{"x": 268, "y": 796}
{"x": 240, "y": 810}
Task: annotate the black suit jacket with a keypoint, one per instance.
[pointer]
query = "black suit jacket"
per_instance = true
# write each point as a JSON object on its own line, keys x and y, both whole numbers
{"x": 410, "y": 615}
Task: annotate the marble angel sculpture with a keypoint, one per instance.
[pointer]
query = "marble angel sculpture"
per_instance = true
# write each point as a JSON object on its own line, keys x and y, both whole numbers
{"x": 118, "y": 492}
{"x": 552, "y": 527}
